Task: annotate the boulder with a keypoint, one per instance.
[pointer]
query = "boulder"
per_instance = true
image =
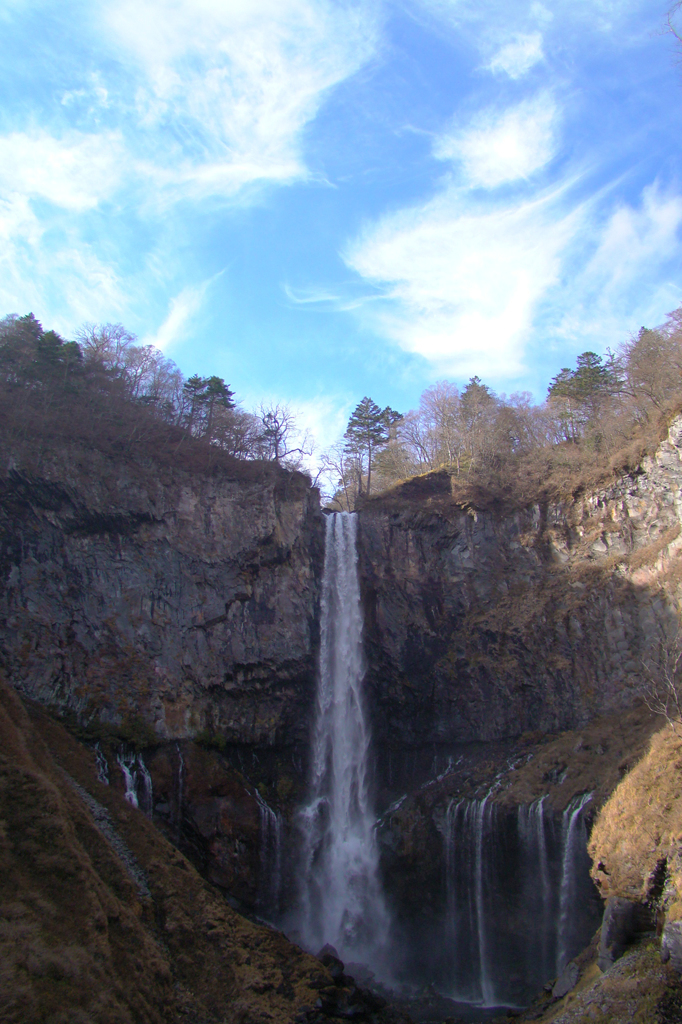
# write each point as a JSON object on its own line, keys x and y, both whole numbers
{"x": 671, "y": 944}
{"x": 619, "y": 927}
{"x": 567, "y": 980}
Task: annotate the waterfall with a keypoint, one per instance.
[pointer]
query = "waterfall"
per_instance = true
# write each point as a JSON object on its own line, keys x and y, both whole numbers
{"x": 574, "y": 843}
{"x": 342, "y": 900}
{"x": 270, "y": 883}
{"x": 137, "y": 780}
{"x": 487, "y": 992}
{"x": 102, "y": 765}
{"x": 126, "y": 763}
{"x": 470, "y": 868}
{"x": 145, "y": 792}
{"x": 180, "y": 790}
{"x": 518, "y": 891}
{"x": 533, "y": 828}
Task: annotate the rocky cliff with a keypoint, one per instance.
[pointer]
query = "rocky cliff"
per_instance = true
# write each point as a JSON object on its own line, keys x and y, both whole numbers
{"x": 176, "y": 614}
{"x": 187, "y": 601}
{"x": 190, "y": 601}
{"x": 483, "y": 624}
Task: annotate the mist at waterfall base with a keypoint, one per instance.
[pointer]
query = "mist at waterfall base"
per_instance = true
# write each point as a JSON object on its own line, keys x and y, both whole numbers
{"x": 517, "y": 902}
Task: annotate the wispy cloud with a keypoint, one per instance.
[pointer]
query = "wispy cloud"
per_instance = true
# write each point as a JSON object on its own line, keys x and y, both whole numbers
{"x": 241, "y": 80}
{"x": 74, "y": 172}
{"x": 515, "y": 59}
{"x": 503, "y": 146}
{"x": 627, "y": 271}
{"x": 191, "y": 100}
{"x": 465, "y": 289}
{"x": 181, "y": 309}
{"x": 463, "y": 285}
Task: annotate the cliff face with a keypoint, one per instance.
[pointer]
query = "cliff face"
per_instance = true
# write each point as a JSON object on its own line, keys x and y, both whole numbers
{"x": 482, "y": 625}
{"x": 191, "y": 600}
{"x": 174, "y": 605}
{"x": 186, "y": 600}
{"x": 102, "y": 920}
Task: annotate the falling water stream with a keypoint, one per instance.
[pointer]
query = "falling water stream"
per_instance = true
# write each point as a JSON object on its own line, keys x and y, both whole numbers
{"x": 270, "y": 881}
{"x": 342, "y": 900}
{"x": 518, "y": 897}
{"x": 138, "y": 781}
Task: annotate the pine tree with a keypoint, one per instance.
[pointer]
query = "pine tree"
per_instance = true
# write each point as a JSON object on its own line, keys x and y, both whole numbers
{"x": 588, "y": 384}
{"x": 369, "y": 429}
{"x": 202, "y": 395}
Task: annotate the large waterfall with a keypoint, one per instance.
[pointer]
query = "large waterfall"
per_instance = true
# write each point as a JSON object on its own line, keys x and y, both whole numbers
{"x": 342, "y": 900}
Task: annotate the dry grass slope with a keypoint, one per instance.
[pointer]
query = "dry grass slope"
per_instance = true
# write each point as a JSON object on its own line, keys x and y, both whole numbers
{"x": 638, "y": 833}
{"x": 79, "y": 944}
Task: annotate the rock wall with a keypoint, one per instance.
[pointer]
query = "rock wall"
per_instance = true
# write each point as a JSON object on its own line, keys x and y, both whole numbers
{"x": 483, "y": 625}
{"x": 188, "y": 601}
{"x": 173, "y": 605}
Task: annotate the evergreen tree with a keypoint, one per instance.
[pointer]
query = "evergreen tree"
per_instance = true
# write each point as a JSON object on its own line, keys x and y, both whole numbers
{"x": 203, "y": 395}
{"x": 589, "y": 384}
{"x": 216, "y": 394}
{"x": 368, "y": 430}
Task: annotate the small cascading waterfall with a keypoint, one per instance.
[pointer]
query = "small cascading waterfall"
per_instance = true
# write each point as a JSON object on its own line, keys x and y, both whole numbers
{"x": 342, "y": 901}
{"x": 483, "y": 862}
{"x": 535, "y": 835}
{"x": 574, "y": 835}
{"x": 145, "y": 791}
{"x": 180, "y": 791}
{"x": 270, "y": 884}
{"x": 513, "y": 879}
{"x": 126, "y": 763}
{"x": 138, "y": 782}
{"x": 469, "y": 886}
{"x": 102, "y": 765}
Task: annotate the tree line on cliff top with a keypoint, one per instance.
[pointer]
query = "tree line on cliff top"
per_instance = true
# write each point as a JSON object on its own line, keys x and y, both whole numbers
{"x": 106, "y": 388}
{"x": 603, "y": 413}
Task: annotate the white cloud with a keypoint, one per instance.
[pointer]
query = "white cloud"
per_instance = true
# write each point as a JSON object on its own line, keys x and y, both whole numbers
{"x": 200, "y": 98}
{"x": 466, "y": 288}
{"x": 182, "y": 308}
{"x": 74, "y": 172}
{"x": 635, "y": 237}
{"x": 626, "y": 274}
{"x": 503, "y": 147}
{"x": 517, "y": 58}
{"x": 239, "y": 80}
{"x": 464, "y": 285}
{"x": 325, "y": 417}
{"x": 65, "y": 279}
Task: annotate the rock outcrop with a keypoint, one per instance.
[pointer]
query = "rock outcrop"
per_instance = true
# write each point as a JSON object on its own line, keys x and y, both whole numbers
{"x": 188, "y": 601}
{"x": 483, "y": 624}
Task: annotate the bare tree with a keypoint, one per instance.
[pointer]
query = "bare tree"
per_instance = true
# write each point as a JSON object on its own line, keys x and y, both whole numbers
{"x": 143, "y": 371}
{"x": 105, "y": 343}
{"x": 671, "y": 21}
{"x": 340, "y": 469}
{"x": 663, "y": 685}
{"x": 279, "y": 435}
{"x": 238, "y": 433}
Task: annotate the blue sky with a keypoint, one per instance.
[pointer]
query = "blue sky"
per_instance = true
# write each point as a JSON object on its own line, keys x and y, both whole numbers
{"x": 323, "y": 200}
